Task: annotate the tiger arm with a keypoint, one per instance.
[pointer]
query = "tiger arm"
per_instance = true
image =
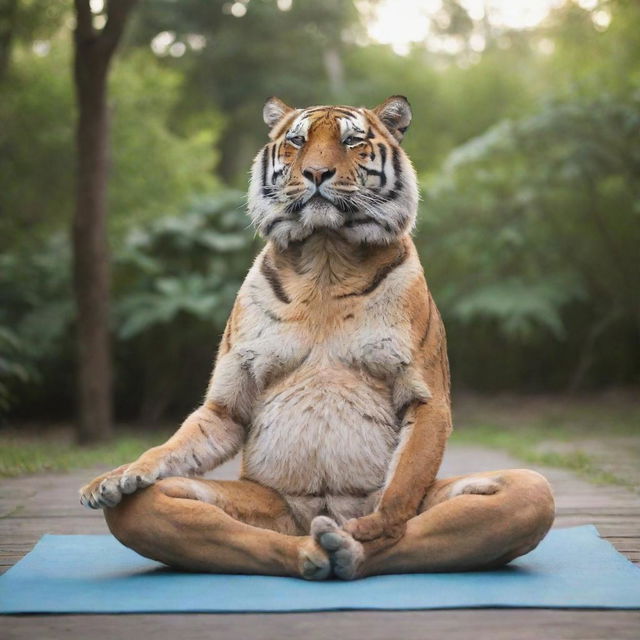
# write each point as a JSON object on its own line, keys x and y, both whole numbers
{"x": 208, "y": 437}
{"x": 421, "y": 448}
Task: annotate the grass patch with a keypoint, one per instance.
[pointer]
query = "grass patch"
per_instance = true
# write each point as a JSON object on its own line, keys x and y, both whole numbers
{"x": 519, "y": 425}
{"x": 554, "y": 417}
{"x": 26, "y": 454}
{"x": 557, "y": 431}
{"x": 524, "y": 443}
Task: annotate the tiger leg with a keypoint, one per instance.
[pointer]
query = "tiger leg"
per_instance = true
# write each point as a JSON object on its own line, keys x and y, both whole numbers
{"x": 478, "y": 521}
{"x": 218, "y": 527}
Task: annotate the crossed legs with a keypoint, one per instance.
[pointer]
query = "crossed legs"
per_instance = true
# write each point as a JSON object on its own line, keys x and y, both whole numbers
{"x": 216, "y": 527}
{"x": 469, "y": 522}
{"x": 479, "y": 521}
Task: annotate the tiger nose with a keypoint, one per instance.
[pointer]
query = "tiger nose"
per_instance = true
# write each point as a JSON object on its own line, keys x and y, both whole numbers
{"x": 318, "y": 175}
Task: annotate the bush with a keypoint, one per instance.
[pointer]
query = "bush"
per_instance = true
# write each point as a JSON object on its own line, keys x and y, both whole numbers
{"x": 530, "y": 237}
{"x": 175, "y": 280}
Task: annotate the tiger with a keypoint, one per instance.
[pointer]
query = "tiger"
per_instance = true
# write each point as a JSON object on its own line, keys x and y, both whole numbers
{"x": 332, "y": 379}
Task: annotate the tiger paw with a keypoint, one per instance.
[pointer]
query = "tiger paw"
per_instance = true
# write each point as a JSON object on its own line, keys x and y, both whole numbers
{"x": 313, "y": 561}
{"x": 107, "y": 490}
{"x": 376, "y": 527}
{"x": 345, "y": 553}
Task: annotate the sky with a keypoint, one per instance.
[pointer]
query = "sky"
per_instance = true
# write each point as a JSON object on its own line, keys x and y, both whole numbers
{"x": 401, "y": 22}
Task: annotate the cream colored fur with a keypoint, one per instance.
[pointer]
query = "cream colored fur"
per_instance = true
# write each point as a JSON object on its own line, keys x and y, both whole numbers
{"x": 332, "y": 380}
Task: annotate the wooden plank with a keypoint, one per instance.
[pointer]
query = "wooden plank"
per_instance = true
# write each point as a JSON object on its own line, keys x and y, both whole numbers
{"x": 632, "y": 543}
{"x": 504, "y": 624}
{"x": 49, "y": 504}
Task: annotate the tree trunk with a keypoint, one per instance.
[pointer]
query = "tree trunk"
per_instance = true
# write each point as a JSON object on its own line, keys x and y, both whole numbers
{"x": 8, "y": 13}
{"x": 90, "y": 249}
{"x": 91, "y": 269}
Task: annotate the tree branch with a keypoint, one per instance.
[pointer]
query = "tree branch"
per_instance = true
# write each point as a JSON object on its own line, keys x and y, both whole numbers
{"x": 117, "y": 14}
{"x": 84, "y": 20}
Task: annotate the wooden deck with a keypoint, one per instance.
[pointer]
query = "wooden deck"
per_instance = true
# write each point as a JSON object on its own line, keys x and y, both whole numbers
{"x": 32, "y": 506}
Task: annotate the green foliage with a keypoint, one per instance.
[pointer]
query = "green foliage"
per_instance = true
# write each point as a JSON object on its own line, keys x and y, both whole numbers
{"x": 36, "y": 139}
{"x": 538, "y": 217}
{"x": 528, "y": 153}
{"x": 35, "y": 317}
{"x": 154, "y": 169}
{"x": 518, "y": 307}
{"x": 175, "y": 280}
{"x": 450, "y": 104}
{"x": 266, "y": 52}
{"x": 11, "y": 366}
{"x": 191, "y": 265}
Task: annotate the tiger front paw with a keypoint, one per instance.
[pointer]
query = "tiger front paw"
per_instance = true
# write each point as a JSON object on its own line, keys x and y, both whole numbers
{"x": 107, "y": 490}
{"x": 375, "y": 526}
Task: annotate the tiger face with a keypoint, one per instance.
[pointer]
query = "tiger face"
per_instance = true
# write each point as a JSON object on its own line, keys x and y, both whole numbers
{"x": 334, "y": 168}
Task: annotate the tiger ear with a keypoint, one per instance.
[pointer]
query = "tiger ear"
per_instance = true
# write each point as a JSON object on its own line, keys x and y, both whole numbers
{"x": 395, "y": 114}
{"x": 274, "y": 110}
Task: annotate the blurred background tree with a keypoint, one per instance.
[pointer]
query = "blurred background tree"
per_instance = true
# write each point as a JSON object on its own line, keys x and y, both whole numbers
{"x": 526, "y": 138}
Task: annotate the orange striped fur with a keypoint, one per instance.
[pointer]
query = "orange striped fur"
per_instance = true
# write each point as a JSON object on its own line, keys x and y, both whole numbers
{"x": 332, "y": 374}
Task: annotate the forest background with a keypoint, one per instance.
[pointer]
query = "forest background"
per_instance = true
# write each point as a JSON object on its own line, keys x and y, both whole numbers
{"x": 525, "y": 137}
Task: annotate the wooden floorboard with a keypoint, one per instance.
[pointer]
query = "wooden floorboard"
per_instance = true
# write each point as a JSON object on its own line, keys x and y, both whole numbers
{"x": 34, "y": 505}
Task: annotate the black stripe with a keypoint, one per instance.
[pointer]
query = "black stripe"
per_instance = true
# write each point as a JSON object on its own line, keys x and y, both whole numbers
{"x": 265, "y": 310}
{"x": 271, "y": 275}
{"x": 402, "y": 409}
{"x": 276, "y": 174}
{"x": 380, "y": 275}
{"x": 345, "y": 112}
{"x": 269, "y": 228}
{"x": 351, "y": 114}
{"x": 396, "y": 168}
{"x": 396, "y": 159}
{"x": 267, "y": 191}
{"x": 383, "y": 161}
{"x": 268, "y": 313}
{"x": 393, "y": 193}
{"x": 265, "y": 166}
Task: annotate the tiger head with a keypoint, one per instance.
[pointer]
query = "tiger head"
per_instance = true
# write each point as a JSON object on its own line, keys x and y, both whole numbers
{"x": 334, "y": 168}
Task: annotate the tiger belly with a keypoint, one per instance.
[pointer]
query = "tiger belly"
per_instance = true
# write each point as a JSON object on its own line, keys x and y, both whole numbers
{"x": 323, "y": 438}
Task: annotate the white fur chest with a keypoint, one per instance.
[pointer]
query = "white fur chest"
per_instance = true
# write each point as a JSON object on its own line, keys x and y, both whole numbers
{"x": 329, "y": 425}
{"x": 323, "y": 430}
{"x": 321, "y": 403}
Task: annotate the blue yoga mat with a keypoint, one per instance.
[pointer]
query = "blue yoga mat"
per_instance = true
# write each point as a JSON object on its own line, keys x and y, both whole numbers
{"x": 572, "y": 568}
